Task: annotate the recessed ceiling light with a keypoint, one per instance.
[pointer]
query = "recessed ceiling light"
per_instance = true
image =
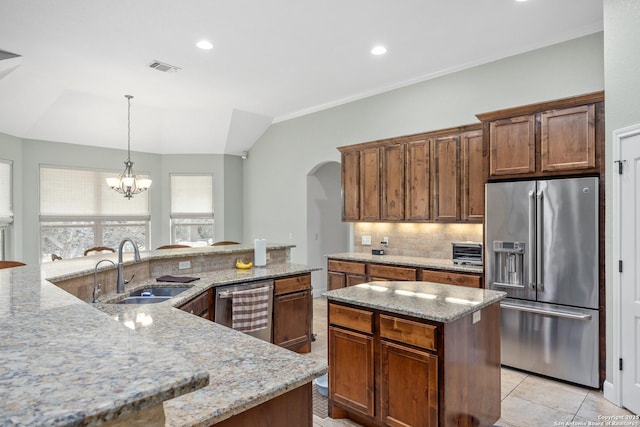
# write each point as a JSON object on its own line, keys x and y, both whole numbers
{"x": 379, "y": 50}
{"x": 204, "y": 44}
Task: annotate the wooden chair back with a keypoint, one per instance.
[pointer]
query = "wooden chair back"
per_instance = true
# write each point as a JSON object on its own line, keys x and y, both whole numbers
{"x": 9, "y": 264}
{"x": 99, "y": 249}
{"x": 172, "y": 247}
{"x": 225, "y": 242}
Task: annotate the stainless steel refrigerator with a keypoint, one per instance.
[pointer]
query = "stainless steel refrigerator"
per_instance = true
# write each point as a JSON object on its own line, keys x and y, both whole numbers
{"x": 541, "y": 241}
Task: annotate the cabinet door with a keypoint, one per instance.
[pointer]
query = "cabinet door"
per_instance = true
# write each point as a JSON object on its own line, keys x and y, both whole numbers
{"x": 351, "y": 185}
{"x": 418, "y": 175}
{"x": 446, "y": 178}
{"x": 393, "y": 182}
{"x": 200, "y": 305}
{"x": 370, "y": 184}
{"x": 291, "y": 321}
{"x": 355, "y": 279}
{"x": 403, "y": 405}
{"x": 336, "y": 280}
{"x": 568, "y": 139}
{"x": 472, "y": 176}
{"x": 351, "y": 377}
{"x": 512, "y": 146}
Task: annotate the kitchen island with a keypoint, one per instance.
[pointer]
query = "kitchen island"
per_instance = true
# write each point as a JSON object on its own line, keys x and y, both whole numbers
{"x": 64, "y": 361}
{"x": 414, "y": 354}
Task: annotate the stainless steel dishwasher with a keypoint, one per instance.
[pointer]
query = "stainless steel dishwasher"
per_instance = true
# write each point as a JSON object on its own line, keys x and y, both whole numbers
{"x": 224, "y": 306}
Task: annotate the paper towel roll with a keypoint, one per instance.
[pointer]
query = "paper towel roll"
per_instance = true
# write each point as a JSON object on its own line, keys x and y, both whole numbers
{"x": 260, "y": 253}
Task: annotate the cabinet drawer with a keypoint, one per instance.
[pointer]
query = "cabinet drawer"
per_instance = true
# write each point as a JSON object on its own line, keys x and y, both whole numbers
{"x": 351, "y": 318}
{"x": 390, "y": 272}
{"x": 346, "y": 266}
{"x": 292, "y": 284}
{"x": 408, "y": 332}
{"x": 449, "y": 278}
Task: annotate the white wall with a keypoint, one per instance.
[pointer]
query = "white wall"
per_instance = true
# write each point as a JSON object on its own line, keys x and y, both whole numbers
{"x": 274, "y": 175}
{"x": 622, "y": 103}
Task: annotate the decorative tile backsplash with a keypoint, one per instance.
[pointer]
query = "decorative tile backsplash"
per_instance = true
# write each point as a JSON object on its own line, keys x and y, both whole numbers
{"x": 415, "y": 239}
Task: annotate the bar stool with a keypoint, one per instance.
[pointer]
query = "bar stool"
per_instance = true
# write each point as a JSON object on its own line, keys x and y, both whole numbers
{"x": 10, "y": 264}
{"x": 99, "y": 249}
{"x": 172, "y": 247}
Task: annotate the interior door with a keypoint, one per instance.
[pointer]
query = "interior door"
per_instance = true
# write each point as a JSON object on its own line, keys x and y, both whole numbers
{"x": 630, "y": 277}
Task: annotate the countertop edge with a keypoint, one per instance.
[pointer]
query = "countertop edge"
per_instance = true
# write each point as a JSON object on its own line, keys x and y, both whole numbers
{"x": 418, "y": 262}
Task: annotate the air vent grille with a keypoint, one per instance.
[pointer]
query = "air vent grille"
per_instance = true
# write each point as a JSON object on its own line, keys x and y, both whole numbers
{"x": 165, "y": 68}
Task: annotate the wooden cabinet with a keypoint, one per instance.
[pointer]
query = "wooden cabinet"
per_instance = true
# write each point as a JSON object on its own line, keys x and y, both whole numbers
{"x": 387, "y": 369}
{"x": 451, "y": 278}
{"x": 473, "y": 176}
{"x": 418, "y": 179}
{"x": 446, "y": 178}
{"x": 351, "y": 185}
{"x": 392, "y": 182}
{"x": 424, "y": 177}
{"x": 390, "y": 272}
{"x": 562, "y": 137}
{"x": 370, "y": 184}
{"x": 201, "y": 305}
{"x": 345, "y": 273}
{"x": 292, "y": 313}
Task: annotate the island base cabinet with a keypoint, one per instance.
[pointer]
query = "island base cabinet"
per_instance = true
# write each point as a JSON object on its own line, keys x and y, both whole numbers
{"x": 409, "y": 386}
{"x": 294, "y": 408}
{"x": 351, "y": 376}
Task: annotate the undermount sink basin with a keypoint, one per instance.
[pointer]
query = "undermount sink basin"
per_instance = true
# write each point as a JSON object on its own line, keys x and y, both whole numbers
{"x": 159, "y": 291}
{"x": 143, "y": 300}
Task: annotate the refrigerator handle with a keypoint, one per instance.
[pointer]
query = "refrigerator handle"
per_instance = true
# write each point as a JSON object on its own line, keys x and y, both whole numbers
{"x": 539, "y": 243}
{"x": 555, "y": 313}
{"x": 532, "y": 239}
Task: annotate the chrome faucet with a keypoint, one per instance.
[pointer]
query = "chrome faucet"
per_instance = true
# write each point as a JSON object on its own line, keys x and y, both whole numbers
{"x": 96, "y": 285}
{"x": 136, "y": 256}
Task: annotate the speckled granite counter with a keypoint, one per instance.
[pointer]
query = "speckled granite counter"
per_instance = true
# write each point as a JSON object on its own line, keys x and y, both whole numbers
{"x": 434, "y": 263}
{"x": 62, "y": 362}
{"x": 424, "y": 300}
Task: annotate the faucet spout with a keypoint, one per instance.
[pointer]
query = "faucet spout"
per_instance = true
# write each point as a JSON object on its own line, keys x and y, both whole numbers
{"x": 96, "y": 285}
{"x": 136, "y": 257}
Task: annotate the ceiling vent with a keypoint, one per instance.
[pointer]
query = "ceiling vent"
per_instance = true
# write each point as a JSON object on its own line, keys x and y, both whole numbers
{"x": 165, "y": 68}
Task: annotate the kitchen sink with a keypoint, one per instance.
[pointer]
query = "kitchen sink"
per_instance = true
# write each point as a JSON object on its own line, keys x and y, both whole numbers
{"x": 159, "y": 291}
{"x": 143, "y": 300}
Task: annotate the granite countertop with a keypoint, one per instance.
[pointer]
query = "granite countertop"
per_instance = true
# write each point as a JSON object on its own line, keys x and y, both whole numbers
{"x": 424, "y": 300}
{"x": 409, "y": 261}
{"x": 64, "y": 362}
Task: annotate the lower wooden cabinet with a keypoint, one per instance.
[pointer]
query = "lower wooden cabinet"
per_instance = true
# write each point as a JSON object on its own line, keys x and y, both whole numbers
{"x": 409, "y": 386}
{"x": 345, "y": 273}
{"x": 201, "y": 305}
{"x": 292, "y": 313}
{"x": 451, "y": 278}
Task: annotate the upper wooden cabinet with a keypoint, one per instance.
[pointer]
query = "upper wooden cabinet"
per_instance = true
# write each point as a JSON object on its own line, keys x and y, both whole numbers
{"x": 563, "y": 137}
{"x": 436, "y": 176}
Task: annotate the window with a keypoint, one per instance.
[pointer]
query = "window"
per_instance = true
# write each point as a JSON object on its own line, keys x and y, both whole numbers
{"x": 192, "y": 209}
{"x": 6, "y": 204}
{"x": 78, "y": 211}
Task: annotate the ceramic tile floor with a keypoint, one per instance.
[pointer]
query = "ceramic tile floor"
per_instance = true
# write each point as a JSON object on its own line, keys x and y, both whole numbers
{"x": 527, "y": 400}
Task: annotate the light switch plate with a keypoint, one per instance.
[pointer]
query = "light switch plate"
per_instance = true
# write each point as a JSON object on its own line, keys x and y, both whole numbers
{"x": 182, "y": 265}
{"x": 366, "y": 240}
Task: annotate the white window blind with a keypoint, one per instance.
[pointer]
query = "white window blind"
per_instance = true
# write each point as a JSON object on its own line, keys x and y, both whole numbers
{"x": 6, "y": 208}
{"x": 191, "y": 196}
{"x": 84, "y": 193}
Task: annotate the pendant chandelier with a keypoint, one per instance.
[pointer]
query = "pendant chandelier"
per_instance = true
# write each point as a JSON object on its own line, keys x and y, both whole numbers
{"x": 128, "y": 183}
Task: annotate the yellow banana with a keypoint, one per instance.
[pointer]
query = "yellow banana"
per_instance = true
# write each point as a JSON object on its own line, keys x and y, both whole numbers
{"x": 243, "y": 265}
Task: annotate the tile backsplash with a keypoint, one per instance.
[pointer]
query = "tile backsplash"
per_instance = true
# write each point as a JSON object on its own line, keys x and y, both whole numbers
{"x": 415, "y": 239}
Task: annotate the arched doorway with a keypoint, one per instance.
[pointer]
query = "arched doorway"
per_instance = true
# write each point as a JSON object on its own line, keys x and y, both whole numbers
{"x": 326, "y": 233}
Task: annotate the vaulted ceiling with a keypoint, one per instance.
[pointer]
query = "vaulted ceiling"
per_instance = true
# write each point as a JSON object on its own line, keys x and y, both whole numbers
{"x": 66, "y": 65}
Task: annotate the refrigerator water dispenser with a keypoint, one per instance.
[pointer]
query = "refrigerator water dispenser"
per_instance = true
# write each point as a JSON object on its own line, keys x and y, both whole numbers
{"x": 509, "y": 264}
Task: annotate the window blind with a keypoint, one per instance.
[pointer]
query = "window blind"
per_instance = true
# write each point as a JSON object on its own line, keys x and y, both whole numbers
{"x": 6, "y": 208}
{"x": 66, "y": 192}
{"x": 191, "y": 196}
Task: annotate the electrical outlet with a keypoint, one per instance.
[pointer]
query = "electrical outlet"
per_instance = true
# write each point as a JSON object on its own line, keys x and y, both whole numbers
{"x": 366, "y": 240}
{"x": 183, "y": 265}
{"x": 385, "y": 240}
